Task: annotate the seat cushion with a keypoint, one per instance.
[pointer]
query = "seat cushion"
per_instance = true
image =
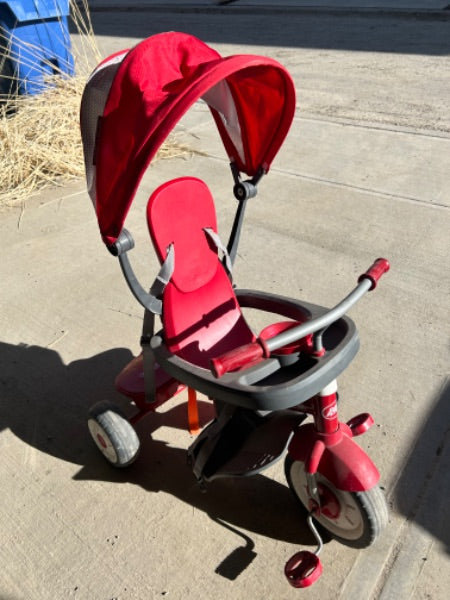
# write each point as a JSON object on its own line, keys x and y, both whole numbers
{"x": 201, "y": 316}
{"x": 177, "y": 212}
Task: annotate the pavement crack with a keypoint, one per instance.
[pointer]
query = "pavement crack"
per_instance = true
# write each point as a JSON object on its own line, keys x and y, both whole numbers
{"x": 358, "y": 188}
{"x": 58, "y": 339}
{"x": 22, "y": 212}
{"x": 443, "y": 134}
{"x": 123, "y": 312}
{"x": 350, "y": 186}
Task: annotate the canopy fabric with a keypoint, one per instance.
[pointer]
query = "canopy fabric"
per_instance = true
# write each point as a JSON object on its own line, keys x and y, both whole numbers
{"x": 134, "y": 99}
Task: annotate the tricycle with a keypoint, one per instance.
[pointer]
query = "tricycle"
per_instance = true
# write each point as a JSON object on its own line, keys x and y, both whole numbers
{"x": 275, "y": 392}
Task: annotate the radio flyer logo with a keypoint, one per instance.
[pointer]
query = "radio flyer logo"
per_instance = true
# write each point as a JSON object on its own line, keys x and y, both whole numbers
{"x": 329, "y": 412}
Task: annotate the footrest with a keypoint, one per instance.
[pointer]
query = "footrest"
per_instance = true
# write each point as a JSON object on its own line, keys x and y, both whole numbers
{"x": 130, "y": 382}
{"x": 245, "y": 444}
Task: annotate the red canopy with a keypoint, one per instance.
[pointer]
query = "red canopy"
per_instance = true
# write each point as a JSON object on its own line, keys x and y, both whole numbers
{"x": 134, "y": 99}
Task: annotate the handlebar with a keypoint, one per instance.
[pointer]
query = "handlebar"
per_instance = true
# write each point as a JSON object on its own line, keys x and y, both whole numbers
{"x": 254, "y": 351}
{"x": 375, "y": 271}
{"x": 238, "y": 357}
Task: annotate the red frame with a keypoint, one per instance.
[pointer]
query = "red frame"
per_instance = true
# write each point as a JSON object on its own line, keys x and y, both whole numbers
{"x": 326, "y": 446}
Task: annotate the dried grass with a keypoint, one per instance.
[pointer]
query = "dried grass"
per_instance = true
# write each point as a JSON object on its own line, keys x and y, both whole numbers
{"x": 40, "y": 143}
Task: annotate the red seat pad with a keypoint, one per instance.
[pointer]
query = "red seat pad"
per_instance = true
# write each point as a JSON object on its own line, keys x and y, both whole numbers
{"x": 201, "y": 316}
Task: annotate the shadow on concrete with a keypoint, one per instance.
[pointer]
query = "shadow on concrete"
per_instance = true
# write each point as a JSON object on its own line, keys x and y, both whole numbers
{"x": 423, "y": 490}
{"x": 45, "y": 402}
{"x": 407, "y": 34}
{"x": 256, "y": 504}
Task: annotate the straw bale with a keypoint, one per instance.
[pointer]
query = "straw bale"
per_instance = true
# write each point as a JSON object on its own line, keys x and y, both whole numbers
{"x": 40, "y": 143}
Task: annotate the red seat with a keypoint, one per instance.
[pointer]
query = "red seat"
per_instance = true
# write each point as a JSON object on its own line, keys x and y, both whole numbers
{"x": 201, "y": 316}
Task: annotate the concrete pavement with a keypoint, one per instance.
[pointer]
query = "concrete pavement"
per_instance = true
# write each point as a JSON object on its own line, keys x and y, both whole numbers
{"x": 364, "y": 172}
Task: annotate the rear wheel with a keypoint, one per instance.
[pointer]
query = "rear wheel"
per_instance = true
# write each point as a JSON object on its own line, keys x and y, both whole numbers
{"x": 113, "y": 435}
{"x": 355, "y": 519}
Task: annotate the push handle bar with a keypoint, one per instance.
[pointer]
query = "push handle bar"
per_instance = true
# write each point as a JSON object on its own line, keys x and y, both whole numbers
{"x": 245, "y": 355}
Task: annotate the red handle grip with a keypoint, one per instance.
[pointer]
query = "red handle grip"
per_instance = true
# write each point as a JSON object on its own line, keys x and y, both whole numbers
{"x": 238, "y": 358}
{"x": 379, "y": 268}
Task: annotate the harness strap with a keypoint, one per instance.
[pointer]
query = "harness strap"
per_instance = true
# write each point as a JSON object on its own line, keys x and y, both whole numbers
{"x": 226, "y": 260}
{"x": 148, "y": 326}
{"x": 162, "y": 279}
{"x": 148, "y": 358}
{"x": 193, "y": 419}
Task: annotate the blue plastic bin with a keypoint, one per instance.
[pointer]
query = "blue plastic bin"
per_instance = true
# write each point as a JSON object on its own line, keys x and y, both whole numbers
{"x": 34, "y": 36}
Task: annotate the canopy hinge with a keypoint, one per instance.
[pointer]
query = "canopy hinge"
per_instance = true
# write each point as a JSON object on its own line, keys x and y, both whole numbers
{"x": 243, "y": 190}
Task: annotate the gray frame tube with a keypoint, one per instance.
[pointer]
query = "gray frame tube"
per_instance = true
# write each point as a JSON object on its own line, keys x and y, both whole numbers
{"x": 319, "y": 323}
{"x": 147, "y": 300}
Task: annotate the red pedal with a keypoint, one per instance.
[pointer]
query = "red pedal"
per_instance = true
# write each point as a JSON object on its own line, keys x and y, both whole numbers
{"x": 361, "y": 423}
{"x": 303, "y": 569}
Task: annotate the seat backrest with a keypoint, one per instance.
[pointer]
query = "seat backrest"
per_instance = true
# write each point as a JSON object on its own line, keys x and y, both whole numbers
{"x": 201, "y": 316}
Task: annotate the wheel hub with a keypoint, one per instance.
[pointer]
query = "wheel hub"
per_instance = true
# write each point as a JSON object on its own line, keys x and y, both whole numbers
{"x": 101, "y": 441}
{"x": 329, "y": 504}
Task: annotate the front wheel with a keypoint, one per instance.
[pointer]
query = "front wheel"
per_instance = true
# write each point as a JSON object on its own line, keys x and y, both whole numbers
{"x": 355, "y": 519}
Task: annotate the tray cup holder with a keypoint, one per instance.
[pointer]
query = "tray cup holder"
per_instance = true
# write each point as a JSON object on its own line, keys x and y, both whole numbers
{"x": 288, "y": 354}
